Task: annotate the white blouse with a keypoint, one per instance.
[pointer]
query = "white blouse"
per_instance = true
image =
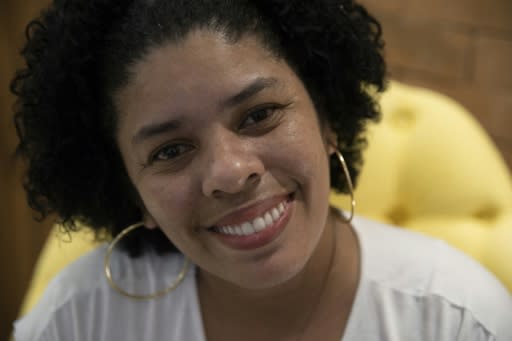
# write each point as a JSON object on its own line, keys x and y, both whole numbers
{"x": 412, "y": 287}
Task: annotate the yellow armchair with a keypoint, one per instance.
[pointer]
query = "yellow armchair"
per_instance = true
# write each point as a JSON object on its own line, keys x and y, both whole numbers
{"x": 429, "y": 167}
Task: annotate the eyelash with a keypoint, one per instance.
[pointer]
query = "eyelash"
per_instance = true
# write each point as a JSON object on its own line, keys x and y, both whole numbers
{"x": 262, "y": 108}
{"x": 268, "y": 109}
{"x": 170, "y": 147}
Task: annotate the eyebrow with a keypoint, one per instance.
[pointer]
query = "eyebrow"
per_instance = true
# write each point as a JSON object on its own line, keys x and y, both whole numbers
{"x": 252, "y": 89}
{"x": 249, "y": 91}
{"x": 155, "y": 129}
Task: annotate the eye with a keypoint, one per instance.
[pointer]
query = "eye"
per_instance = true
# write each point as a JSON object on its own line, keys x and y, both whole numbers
{"x": 259, "y": 115}
{"x": 170, "y": 152}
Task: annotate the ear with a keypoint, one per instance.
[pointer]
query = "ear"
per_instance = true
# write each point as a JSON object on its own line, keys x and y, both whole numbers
{"x": 148, "y": 220}
{"x": 331, "y": 139}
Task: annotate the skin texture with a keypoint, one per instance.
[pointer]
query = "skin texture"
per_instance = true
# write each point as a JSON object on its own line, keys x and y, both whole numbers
{"x": 196, "y": 157}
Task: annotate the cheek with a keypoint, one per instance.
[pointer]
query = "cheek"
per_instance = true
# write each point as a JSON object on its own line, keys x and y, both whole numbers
{"x": 168, "y": 200}
{"x": 301, "y": 152}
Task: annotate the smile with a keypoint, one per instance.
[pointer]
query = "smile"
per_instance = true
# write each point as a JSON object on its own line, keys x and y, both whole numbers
{"x": 255, "y": 226}
{"x": 258, "y": 224}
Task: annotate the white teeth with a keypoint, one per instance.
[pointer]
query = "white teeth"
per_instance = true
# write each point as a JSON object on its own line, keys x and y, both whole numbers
{"x": 268, "y": 219}
{"x": 248, "y": 229}
{"x": 275, "y": 213}
{"x": 257, "y": 225}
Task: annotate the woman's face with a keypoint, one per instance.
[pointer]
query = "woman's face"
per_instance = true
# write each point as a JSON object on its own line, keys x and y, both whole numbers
{"x": 223, "y": 144}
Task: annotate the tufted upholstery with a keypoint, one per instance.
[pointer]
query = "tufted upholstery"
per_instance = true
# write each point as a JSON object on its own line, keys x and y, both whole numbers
{"x": 429, "y": 168}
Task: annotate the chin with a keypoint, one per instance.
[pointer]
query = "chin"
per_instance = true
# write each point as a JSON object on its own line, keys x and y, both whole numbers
{"x": 274, "y": 272}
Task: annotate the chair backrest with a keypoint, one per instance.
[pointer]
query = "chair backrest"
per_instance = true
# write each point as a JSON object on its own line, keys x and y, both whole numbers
{"x": 430, "y": 167}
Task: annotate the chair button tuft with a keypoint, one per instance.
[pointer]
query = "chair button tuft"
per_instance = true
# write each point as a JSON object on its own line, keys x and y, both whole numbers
{"x": 398, "y": 215}
{"x": 486, "y": 213}
{"x": 403, "y": 119}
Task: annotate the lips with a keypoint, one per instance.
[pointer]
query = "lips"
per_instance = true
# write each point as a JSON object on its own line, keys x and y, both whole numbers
{"x": 256, "y": 225}
{"x": 249, "y": 213}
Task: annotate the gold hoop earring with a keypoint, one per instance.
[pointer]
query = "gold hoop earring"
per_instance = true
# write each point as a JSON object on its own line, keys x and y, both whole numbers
{"x": 108, "y": 272}
{"x": 341, "y": 159}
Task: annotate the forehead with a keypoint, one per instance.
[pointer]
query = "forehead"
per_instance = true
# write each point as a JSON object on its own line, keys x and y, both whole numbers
{"x": 193, "y": 73}
{"x": 201, "y": 54}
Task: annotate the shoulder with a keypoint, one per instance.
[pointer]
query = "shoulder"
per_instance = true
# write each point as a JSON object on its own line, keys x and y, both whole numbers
{"x": 415, "y": 268}
{"x": 81, "y": 276}
{"x": 80, "y": 295}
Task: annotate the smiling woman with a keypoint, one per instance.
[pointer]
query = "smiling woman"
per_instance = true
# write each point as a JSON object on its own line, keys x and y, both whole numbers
{"x": 221, "y": 156}
{"x": 215, "y": 131}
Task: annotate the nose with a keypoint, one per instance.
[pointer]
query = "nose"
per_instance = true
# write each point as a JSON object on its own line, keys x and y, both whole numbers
{"x": 231, "y": 167}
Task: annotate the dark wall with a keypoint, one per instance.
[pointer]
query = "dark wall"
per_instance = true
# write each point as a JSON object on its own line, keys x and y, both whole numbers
{"x": 462, "y": 48}
{"x": 20, "y": 236}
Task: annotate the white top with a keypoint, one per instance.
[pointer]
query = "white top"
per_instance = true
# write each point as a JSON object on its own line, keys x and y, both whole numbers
{"x": 411, "y": 288}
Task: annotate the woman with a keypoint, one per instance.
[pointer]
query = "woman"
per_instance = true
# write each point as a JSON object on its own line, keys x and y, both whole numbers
{"x": 215, "y": 130}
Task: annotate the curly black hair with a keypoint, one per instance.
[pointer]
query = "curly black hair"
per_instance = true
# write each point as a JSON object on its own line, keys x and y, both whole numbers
{"x": 78, "y": 54}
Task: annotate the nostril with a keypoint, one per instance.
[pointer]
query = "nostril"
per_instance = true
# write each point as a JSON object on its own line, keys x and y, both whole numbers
{"x": 217, "y": 194}
{"x": 254, "y": 177}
